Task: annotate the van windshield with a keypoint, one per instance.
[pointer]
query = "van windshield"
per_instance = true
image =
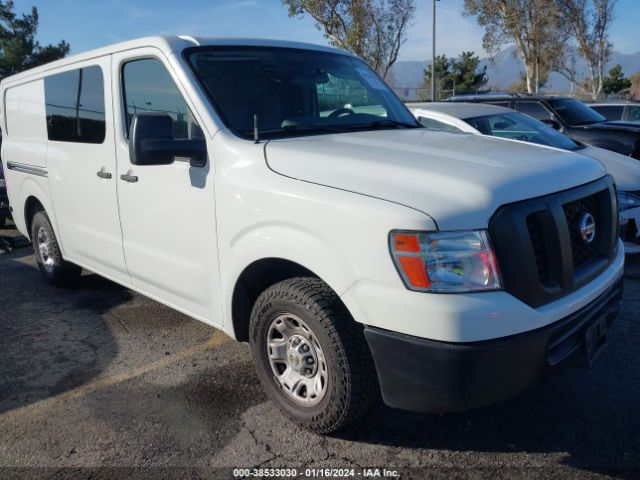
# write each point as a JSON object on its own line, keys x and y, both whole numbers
{"x": 293, "y": 92}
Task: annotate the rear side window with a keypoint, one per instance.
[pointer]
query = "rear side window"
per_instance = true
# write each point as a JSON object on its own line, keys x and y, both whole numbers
{"x": 534, "y": 109}
{"x": 148, "y": 87}
{"x": 75, "y": 106}
{"x": 610, "y": 112}
{"x": 634, "y": 113}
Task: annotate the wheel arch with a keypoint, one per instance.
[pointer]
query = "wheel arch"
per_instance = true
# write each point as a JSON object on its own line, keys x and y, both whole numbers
{"x": 255, "y": 279}
{"x": 32, "y": 205}
{"x": 26, "y": 191}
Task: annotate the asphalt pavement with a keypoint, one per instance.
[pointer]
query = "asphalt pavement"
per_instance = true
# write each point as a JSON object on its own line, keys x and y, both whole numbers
{"x": 100, "y": 382}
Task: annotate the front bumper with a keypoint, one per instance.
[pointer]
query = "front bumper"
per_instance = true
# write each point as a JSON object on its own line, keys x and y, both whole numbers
{"x": 433, "y": 376}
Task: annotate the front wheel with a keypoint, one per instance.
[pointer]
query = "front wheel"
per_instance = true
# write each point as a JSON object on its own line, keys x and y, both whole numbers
{"x": 46, "y": 249}
{"x": 311, "y": 357}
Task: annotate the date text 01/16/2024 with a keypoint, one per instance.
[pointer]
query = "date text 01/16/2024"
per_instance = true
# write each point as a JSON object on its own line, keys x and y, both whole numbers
{"x": 315, "y": 473}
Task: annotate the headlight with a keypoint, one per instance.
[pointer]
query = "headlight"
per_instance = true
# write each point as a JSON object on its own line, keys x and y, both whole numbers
{"x": 627, "y": 201}
{"x": 447, "y": 262}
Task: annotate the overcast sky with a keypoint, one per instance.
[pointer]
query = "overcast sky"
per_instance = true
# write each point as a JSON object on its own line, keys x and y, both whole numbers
{"x": 90, "y": 24}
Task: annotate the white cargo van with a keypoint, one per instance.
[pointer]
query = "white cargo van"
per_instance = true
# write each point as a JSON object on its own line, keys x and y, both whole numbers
{"x": 282, "y": 193}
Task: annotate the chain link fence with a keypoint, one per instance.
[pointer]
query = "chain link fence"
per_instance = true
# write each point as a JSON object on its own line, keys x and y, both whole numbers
{"x": 422, "y": 94}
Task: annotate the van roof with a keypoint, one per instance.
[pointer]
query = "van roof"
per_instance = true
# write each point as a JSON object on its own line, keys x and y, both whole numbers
{"x": 168, "y": 44}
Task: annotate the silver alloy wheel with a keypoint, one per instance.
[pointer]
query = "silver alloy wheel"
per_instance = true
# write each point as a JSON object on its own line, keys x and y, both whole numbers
{"x": 44, "y": 247}
{"x": 297, "y": 360}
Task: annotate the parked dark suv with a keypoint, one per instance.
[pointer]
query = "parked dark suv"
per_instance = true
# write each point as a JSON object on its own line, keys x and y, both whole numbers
{"x": 573, "y": 118}
{"x": 618, "y": 110}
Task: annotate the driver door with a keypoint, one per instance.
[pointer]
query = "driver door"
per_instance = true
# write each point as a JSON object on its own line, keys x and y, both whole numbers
{"x": 166, "y": 211}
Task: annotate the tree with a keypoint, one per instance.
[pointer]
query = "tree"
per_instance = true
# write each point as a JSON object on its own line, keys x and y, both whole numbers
{"x": 616, "y": 81}
{"x": 443, "y": 74}
{"x": 566, "y": 65}
{"x": 520, "y": 85}
{"x": 535, "y": 26}
{"x": 19, "y": 49}
{"x": 460, "y": 74}
{"x": 588, "y": 23}
{"x": 466, "y": 74}
{"x": 635, "y": 86}
{"x": 372, "y": 29}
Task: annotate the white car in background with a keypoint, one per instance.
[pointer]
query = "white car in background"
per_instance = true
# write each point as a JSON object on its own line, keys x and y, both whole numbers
{"x": 495, "y": 121}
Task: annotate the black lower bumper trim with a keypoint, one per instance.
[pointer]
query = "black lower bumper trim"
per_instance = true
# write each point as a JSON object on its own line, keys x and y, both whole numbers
{"x": 431, "y": 376}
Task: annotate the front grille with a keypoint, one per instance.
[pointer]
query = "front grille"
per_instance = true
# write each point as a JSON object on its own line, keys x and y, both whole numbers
{"x": 582, "y": 252}
{"x": 536, "y": 234}
{"x": 540, "y": 247}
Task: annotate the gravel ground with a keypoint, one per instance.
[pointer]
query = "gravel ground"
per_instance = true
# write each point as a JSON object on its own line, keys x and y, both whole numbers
{"x": 100, "y": 382}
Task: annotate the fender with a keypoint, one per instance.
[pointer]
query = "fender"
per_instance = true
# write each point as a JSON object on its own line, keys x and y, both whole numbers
{"x": 288, "y": 242}
{"x": 293, "y": 243}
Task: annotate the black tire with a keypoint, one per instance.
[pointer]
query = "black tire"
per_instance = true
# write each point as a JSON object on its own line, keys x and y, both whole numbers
{"x": 55, "y": 269}
{"x": 352, "y": 384}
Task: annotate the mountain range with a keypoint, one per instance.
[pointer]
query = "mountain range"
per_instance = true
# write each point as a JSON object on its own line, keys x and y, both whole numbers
{"x": 504, "y": 70}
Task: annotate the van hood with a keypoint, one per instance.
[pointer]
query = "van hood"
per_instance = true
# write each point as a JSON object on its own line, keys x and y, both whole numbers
{"x": 624, "y": 170}
{"x": 457, "y": 179}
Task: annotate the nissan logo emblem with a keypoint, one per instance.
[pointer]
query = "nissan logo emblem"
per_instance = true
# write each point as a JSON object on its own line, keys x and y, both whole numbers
{"x": 587, "y": 227}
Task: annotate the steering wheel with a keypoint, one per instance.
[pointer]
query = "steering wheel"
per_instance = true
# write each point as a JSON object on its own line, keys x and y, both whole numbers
{"x": 341, "y": 111}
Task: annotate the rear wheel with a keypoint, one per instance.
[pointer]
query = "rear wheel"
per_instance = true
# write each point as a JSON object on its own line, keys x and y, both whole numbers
{"x": 46, "y": 249}
{"x": 311, "y": 357}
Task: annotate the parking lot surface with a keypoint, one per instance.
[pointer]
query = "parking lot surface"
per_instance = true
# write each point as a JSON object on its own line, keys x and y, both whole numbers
{"x": 99, "y": 381}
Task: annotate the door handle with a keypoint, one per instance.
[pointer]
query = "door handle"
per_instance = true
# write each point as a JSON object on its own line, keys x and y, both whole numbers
{"x": 129, "y": 178}
{"x": 104, "y": 174}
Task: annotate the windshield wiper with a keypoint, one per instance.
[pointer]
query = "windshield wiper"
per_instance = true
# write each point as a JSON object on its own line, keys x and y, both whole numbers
{"x": 303, "y": 127}
{"x": 297, "y": 128}
{"x": 335, "y": 128}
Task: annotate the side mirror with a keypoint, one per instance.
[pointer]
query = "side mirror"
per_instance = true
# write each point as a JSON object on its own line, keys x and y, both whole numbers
{"x": 151, "y": 142}
{"x": 552, "y": 123}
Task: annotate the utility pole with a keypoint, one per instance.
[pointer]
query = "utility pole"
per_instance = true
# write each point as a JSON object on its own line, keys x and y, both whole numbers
{"x": 433, "y": 56}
